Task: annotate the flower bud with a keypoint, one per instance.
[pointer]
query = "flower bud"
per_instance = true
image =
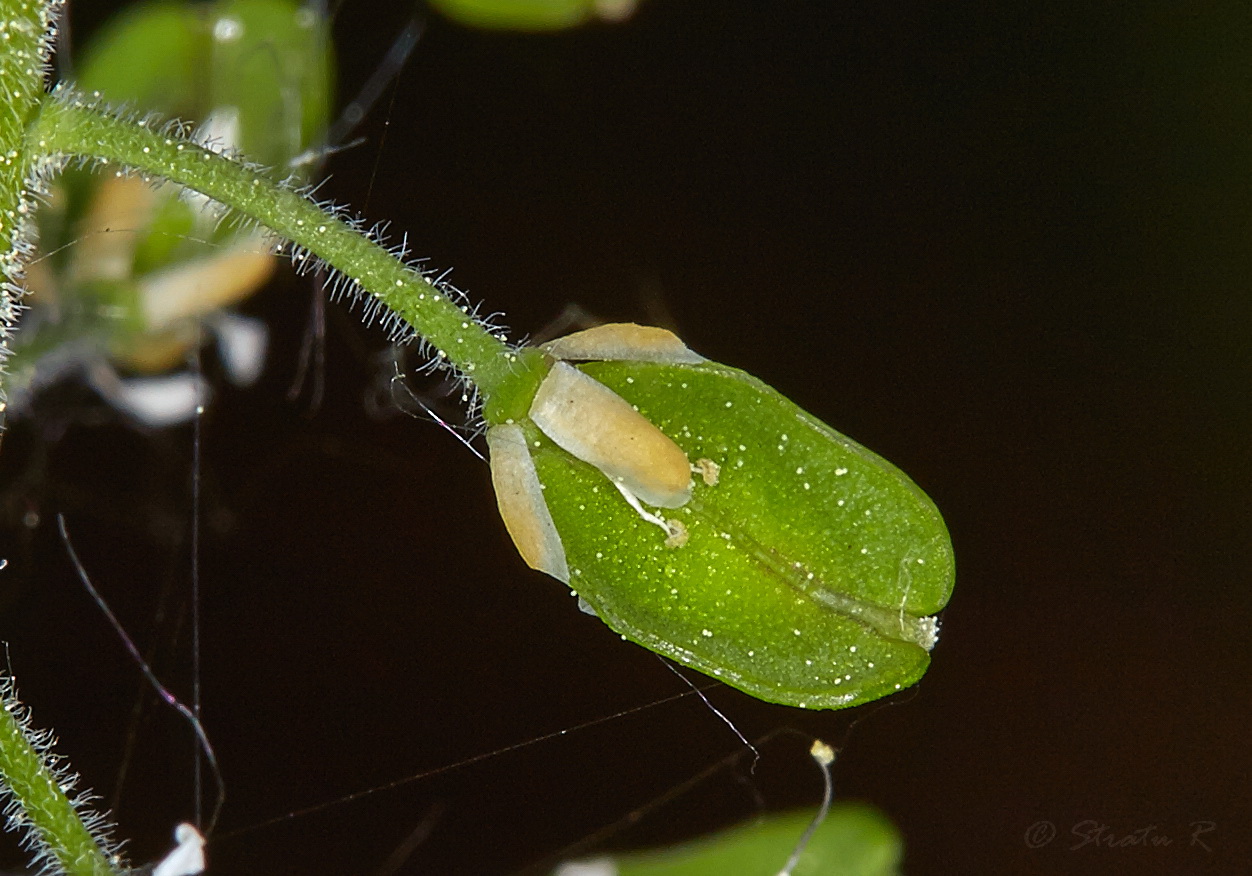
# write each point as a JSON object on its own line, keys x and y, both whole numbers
{"x": 795, "y": 565}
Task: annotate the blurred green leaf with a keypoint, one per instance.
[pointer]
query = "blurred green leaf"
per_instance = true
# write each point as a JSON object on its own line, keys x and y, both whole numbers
{"x": 264, "y": 67}
{"x": 854, "y": 840}
{"x": 533, "y": 15}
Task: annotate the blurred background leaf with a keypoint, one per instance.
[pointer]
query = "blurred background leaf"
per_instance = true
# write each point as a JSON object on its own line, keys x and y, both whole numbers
{"x": 854, "y": 840}
{"x": 533, "y": 15}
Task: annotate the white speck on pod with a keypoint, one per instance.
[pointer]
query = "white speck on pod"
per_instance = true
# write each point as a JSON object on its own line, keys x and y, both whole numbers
{"x": 227, "y": 29}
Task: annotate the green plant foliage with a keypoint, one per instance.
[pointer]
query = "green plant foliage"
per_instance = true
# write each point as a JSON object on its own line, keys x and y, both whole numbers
{"x": 266, "y": 63}
{"x": 854, "y": 840}
{"x": 798, "y": 566}
{"x": 131, "y": 269}
{"x": 24, "y": 54}
{"x": 785, "y": 559}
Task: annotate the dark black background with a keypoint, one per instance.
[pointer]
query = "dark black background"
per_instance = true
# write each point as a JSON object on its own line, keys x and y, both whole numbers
{"x": 1004, "y": 245}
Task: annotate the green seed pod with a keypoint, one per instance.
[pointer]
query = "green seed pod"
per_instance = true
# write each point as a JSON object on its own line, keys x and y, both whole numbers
{"x": 800, "y": 567}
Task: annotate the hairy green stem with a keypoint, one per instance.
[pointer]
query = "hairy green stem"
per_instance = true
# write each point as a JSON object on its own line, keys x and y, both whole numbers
{"x": 24, "y": 31}
{"x": 26, "y": 28}
{"x": 36, "y": 131}
{"x": 67, "y": 126}
{"x": 36, "y": 787}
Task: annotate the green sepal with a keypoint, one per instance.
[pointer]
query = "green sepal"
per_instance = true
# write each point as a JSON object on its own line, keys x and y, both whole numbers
{"x": 511, "y": 399}
{"x": 809, "y": 566}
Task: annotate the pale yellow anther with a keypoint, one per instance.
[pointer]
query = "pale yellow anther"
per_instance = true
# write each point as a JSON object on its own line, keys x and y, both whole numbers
{"x": 521, "y": 502}
{"x": 595, "y": 424}
{"x": 104, "y": 252}
{"x": 202, "y": 286}
{"x": 624, "y": 341}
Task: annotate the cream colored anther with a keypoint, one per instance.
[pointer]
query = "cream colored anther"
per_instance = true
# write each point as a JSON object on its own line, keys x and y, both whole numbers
{"x": 623, "y": 341}
{"x": 595, "y": 424}
{"x": 520, "y": 499}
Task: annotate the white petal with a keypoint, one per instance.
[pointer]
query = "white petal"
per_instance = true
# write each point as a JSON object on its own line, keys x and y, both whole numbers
{"x": 623, "y": 341}
{"x": 595, "y": 424}
{"x": 590, "y": 867}
{"x": 188, "y": 858}
{"x": 521, "y": 502}
{"x": 241, "y": 342}
{"x": 161, "y": 401}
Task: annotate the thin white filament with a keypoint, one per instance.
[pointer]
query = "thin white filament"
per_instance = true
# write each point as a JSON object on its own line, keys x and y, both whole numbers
{"x": 823, "y": 756}
{"x": 171, "y": 700}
